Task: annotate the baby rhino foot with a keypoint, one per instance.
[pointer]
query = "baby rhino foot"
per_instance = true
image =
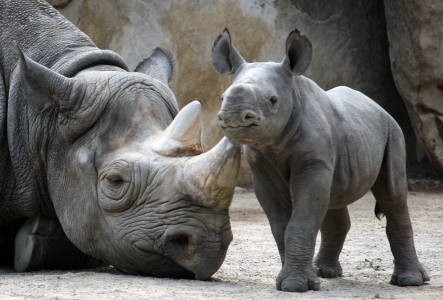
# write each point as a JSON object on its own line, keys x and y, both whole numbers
{"x": 329, "y": 271}
{"x": 417, "y": 277}
{"x": 42, "y": 244}
{"x": 299, "y": 283}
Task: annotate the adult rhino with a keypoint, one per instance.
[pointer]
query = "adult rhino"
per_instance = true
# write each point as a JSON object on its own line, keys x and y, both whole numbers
{"x": 312, "y": 153}
{"x": 98, "y": 153}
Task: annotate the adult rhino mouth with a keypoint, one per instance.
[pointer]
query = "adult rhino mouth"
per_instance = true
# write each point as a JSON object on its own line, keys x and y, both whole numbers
{"x": 185, "y": 255}
{"x": 154, "y": 264}
{"x": 184, "y": 246}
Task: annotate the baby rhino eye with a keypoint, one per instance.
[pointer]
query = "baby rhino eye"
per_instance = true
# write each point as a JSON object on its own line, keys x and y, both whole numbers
{"x": 273, "y": 100}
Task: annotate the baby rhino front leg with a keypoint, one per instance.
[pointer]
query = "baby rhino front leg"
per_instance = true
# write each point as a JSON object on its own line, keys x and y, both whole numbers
{"x": 310, "y": 191}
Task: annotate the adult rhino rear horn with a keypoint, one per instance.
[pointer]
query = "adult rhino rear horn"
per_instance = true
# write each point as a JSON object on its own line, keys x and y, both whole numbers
{"x": 183, "y": 135}
{"x": 211, "y": 175}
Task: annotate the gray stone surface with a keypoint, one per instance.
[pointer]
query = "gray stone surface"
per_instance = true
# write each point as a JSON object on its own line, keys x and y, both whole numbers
{"x": 416, "y": 40}
{"x": 349, "y": 42}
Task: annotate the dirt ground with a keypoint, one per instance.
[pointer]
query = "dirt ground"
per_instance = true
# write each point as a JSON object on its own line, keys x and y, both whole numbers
{"x": 252, "y": 263}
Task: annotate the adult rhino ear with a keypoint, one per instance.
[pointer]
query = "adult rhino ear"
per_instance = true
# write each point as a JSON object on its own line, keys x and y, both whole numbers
{"x": 42, "y": 87}
{"x": 159, "y": 65}
{"x": 298, "y": 53}
{"x": 183, "y": 135}
{"x": 225, "y": 57}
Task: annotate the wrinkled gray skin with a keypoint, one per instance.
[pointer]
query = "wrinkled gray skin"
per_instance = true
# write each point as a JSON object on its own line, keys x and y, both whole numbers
{"x": 312, "y": 153}
{"x": 97, "y": 147}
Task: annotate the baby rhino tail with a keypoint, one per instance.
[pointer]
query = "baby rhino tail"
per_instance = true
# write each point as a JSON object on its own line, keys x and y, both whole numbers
{"x": 379, "y": 213}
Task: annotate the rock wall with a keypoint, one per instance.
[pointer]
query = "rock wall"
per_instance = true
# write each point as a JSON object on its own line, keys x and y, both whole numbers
{"x": 350, "y": 45}
{"x": 415, "y": 31}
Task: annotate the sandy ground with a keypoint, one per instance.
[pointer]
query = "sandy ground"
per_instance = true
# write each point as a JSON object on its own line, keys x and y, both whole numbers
{"x": 252, "y": 263}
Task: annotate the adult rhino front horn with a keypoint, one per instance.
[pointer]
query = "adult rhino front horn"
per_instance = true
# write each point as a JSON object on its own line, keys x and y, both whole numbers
{"x": 97, "y": 164}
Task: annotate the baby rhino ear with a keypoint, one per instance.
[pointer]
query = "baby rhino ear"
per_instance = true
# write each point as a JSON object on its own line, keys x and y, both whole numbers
{"x": 298, "y": 53}
{"x": 159, "y": 65}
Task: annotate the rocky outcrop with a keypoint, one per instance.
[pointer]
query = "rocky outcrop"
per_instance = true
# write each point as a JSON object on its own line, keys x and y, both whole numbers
{"x": 416, "y": 51}
{"x": 349, "y": 42}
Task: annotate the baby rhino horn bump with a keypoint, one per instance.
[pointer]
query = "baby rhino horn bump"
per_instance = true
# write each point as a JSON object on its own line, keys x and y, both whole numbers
{"x": 183, "y": 135}
{"x": 213, "y": 175}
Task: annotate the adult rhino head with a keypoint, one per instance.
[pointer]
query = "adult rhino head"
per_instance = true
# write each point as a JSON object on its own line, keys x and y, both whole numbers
{"x": 128, "y": 181}
{"x": 257, "y": 106}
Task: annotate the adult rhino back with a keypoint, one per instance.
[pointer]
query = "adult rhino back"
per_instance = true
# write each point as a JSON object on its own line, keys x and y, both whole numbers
{"x": 98, "y": 161}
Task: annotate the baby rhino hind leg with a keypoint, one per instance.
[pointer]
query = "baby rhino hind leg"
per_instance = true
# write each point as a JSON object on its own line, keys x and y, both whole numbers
{"x": 333, "y": 230}
{"x": 42, "y": 244}
{"x": 390, "y": 191}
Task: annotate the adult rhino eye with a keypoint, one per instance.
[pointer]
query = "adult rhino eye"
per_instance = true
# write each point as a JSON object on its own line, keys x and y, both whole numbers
{"x": 115, "y": 180}
{"x": 115, "y": 188}
{"x": 273, "y": 100}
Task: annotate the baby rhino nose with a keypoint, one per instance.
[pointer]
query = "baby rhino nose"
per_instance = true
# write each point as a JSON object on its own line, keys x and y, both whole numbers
{"x": 243, "y": 118}
{"x": 221, "y": 116}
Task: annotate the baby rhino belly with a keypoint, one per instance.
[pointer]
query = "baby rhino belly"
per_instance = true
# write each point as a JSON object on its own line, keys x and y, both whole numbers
{"x": 357, "y": 167}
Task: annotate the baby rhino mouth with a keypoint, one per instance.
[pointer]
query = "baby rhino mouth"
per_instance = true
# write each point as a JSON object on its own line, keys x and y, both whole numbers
{"x": 238, "y": 125}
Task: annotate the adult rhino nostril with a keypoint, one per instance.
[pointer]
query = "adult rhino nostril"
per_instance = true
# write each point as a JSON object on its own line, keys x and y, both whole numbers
{"x": 181, "y": 240}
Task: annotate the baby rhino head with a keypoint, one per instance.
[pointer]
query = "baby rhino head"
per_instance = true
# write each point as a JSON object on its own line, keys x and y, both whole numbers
{"x": 258, "y": 104}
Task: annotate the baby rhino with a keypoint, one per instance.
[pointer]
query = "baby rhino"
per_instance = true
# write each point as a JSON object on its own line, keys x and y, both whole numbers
{"x": 312, "y": 153}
